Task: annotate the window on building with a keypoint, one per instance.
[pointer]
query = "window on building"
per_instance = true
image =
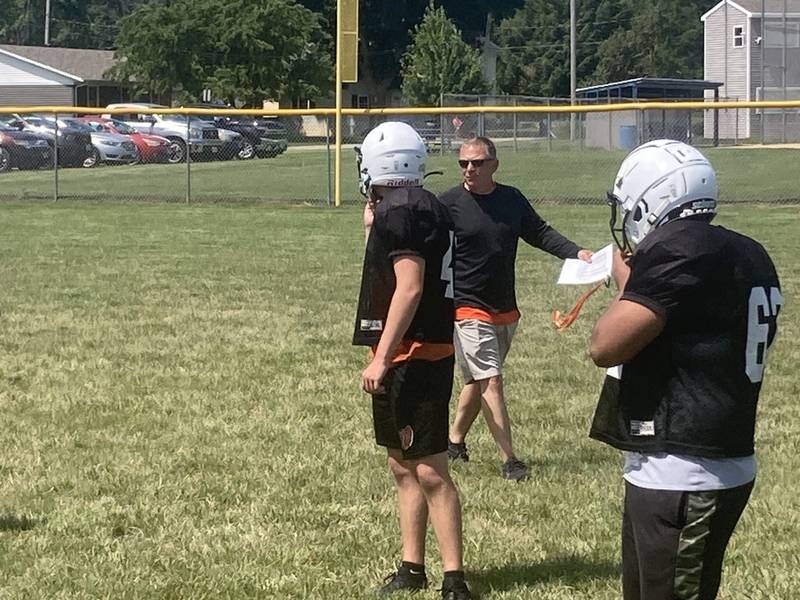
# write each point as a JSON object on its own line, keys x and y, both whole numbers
{"x": 359, "y": 101}
{"x": 738, "y": 36}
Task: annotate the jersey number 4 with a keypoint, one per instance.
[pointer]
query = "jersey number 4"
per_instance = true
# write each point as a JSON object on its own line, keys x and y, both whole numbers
{"x": 447, "y": 268}
{"x": 762, "y": 314}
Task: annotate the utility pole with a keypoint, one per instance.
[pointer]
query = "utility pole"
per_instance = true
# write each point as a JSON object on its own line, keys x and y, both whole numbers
{"x": 783, "y": 71}
{"x": 572, "y": 67}
{"x": 47, "y": 23}
{"x": 761, "y": 49}
{"x": 489, "y": 58}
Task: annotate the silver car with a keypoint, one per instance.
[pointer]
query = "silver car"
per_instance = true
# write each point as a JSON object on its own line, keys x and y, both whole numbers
{"x": 197, "y": 136}
{"x": 111, "y": 147}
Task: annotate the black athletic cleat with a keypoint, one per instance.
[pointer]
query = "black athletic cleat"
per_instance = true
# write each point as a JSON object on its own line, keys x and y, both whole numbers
{"x": 404, "y": 579}
{"x": 457, "y": 451}
{"x": 514, "y": 469}
{"x": 456, "y": 590}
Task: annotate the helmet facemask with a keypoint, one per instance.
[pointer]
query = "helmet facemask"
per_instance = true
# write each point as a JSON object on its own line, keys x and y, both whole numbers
{"x": 619, "y": 234}
{"x": 363, "y": 174}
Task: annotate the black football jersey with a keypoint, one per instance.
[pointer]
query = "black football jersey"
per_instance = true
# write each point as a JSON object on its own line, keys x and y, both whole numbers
{"x": 487, "y": 232}
{"x": 694, "y": 389}
{"x": 408, "y": 221}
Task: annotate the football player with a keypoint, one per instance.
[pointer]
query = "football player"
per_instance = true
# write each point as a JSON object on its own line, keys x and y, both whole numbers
{"x": 686, "y": 339}
{"x": 405, "y": 315}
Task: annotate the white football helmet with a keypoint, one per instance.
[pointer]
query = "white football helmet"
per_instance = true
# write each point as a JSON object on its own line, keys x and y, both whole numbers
{"x": 392, "y": 155}
{"x": 657, "y": 182}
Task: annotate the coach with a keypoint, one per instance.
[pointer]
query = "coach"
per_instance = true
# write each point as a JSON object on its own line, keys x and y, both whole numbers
{"x": 489, "y": 218}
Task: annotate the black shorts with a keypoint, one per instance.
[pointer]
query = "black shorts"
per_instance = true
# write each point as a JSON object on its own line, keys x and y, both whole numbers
{"x": 412, "y": 415}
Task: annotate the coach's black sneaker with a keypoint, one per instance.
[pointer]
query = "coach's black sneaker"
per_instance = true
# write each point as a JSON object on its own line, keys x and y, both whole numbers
{"x": 404, "y": 579}
{"x": 457, "y": 451}
{"x": 514, "y": 469}
{"x": 455, "y": 589}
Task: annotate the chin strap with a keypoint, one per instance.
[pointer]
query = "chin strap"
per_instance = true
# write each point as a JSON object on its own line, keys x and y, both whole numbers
{"x": 561, "y": 322}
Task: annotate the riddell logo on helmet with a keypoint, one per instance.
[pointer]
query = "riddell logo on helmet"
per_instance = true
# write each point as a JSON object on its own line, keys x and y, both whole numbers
{"x": 401, "y": 182}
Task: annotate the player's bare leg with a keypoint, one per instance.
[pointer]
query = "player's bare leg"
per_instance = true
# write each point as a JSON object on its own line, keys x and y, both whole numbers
{"x": 444, "y": 508}
{"x": 412, "y": 507}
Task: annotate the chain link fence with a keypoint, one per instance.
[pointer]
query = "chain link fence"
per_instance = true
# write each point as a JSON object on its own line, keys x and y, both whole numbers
{"x": 735, "y": 125}
{"x": 553, "y": 156}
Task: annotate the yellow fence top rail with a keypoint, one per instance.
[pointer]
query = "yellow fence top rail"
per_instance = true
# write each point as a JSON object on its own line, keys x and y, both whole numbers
{"x": 449, "y": 110}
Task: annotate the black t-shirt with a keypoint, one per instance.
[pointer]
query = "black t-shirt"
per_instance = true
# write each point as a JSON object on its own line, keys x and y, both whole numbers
{"x": 693, "y": 390}
{"x": 487, "y": 229}
{"x": 408, "y": 221}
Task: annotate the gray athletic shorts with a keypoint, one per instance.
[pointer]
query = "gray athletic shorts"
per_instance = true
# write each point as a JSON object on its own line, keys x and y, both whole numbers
{"x": 481, "y": 348}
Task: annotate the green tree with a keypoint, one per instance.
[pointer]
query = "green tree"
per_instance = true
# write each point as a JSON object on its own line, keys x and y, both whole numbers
{"x": 616, "y": 39}
{"x": 73, "y": 23}
{"x": 438, "y": 61}
{"x": 598, "y": 21}
{"x": 88, "y": 23}
{"x": 160, "y": 47}
{"x": 534, "y": 56}
{"x": 245, "y": 50}
{"x": 664, "y": 39}
{"x": 20, "y": 22}
{"x": 385, "y": 27}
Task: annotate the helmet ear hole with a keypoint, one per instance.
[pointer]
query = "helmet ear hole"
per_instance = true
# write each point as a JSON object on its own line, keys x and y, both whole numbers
{"x": 637, "y": 214}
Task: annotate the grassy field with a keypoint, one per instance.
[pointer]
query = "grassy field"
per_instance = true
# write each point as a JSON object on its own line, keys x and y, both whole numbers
{"x": 182, "y": 419}
{"x": 301, "y": 175}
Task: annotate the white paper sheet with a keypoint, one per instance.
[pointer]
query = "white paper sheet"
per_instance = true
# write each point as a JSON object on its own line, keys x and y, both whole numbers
{"x": 578, "y": 272}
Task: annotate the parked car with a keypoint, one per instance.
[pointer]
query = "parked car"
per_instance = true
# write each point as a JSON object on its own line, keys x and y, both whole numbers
{"x": 151, "y": 148}
{"x": 113, "y": 148}
{"x": 276, "y": 133}
{"x": 430, "y": 131}
{"x": 22, "y": 149}
{"x": 201, "y": 138}
{"x": 256, "y": 140}
{"x": 232, "y": 141}
{"x": 75, "y": 147}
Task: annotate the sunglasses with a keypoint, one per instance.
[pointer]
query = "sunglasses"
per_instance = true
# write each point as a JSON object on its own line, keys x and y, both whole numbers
{"x": 478, "y": 162}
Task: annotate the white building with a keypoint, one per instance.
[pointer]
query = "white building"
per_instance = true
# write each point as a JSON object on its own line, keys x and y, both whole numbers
{"x": 49, "y": 76}
{"x": 756, "y": 57}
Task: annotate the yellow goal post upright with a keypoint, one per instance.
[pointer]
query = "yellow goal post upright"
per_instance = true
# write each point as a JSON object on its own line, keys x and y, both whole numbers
{"x": 346, "y": 72}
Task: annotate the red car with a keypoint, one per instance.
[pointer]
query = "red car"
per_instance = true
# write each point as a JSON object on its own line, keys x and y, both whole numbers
{"x": 152, "y": 148}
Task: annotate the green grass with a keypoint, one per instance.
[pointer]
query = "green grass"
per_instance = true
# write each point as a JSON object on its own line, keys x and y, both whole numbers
{"x": 182, "y": 418}
{"x": 301, "y": 175}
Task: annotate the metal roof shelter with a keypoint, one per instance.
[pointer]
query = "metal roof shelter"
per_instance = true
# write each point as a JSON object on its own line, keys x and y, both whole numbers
{"x": 655, "y": 88}
{"x": 651, "y": 88}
